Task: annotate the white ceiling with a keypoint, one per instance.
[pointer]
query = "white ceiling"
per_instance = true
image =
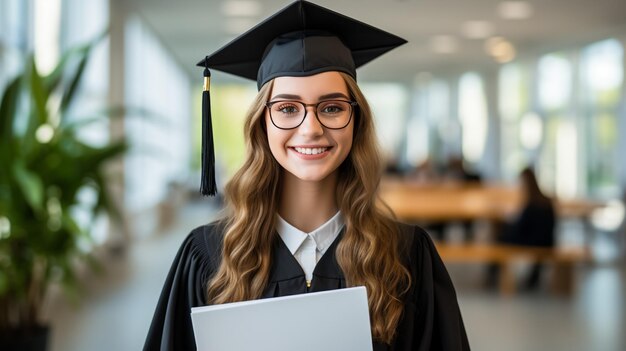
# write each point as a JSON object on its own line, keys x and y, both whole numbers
{"x": 192, "y": 29}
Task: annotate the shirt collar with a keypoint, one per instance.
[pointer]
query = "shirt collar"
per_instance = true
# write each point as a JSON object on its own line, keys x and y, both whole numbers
{"x": 323, "y": 236}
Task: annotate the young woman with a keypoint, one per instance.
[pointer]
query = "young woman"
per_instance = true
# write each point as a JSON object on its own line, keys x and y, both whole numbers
{"x": 302, "y": 212}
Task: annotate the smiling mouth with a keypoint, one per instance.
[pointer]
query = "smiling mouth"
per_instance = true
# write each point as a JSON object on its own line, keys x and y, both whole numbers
{"x": 311, "y": 150}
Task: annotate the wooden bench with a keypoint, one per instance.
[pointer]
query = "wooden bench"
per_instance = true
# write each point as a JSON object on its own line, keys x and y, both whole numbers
{"x": 562, "y": 260}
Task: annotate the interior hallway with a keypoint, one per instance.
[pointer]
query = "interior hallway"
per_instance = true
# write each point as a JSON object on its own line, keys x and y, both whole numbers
{"x": 117, "y": 308}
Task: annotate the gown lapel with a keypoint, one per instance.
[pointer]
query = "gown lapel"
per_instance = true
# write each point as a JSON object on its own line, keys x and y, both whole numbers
{"x": 287, "y": 277}
{"x": 327, "y": 274}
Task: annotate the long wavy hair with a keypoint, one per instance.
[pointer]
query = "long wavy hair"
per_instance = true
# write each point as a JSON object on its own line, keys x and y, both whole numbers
{"x": 368, "y": 253}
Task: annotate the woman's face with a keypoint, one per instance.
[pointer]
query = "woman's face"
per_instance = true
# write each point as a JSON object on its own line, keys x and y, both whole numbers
{"x": 310, "y": 152}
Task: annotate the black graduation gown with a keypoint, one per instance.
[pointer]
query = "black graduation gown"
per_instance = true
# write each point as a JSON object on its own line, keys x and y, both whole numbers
{"x": 431, "y": 318}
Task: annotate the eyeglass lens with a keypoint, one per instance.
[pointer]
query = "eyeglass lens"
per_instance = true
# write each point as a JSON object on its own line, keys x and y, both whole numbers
{"x": 334, "y": 114}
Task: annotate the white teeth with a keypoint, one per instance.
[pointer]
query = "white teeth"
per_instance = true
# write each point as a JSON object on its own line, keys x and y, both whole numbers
{"x": 311, "y": 151}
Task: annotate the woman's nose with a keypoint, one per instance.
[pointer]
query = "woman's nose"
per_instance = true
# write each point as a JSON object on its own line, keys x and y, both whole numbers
{"x": 311, "y": 125}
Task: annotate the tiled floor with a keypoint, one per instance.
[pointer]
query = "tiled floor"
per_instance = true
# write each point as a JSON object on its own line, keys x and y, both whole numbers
{"x": 118, "y": 307}
{"x": 592, "y": 319}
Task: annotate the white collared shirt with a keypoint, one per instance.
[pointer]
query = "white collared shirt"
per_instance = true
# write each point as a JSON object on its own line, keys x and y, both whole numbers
{"x": 308, "y": 248}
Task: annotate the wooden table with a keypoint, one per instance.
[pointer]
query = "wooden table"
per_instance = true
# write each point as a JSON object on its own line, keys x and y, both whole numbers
{"x": 447, "y": 201}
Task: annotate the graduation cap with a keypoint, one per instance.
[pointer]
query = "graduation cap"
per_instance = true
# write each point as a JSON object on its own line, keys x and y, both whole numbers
{"x": 302, "y": 39}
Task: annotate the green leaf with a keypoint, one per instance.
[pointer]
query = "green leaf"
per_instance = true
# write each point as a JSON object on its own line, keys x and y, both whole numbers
{"x": 110, "y": 151}
{"x": 4, "y": 283}
{"x": 31, "y": 186}
{"x": 52, "y": 80}
{"x": 68, "y": 95}
{"x": 92, "y": 158}
{"x": 38, "y": 94}
{"x": 71, "y": 226}
{"x": 8, "y": 111}
{"x": 105, "y": 201}
{"x": 116, "y": 112}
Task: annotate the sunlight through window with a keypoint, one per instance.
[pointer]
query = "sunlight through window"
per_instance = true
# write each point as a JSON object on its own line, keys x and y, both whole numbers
{"x": 555, "y": 81}
{"x": 473, "y": 116}
{"x": 47, "y": 24}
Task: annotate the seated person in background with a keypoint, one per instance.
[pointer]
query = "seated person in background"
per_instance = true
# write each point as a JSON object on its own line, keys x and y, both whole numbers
{"x": 534, "y": 226}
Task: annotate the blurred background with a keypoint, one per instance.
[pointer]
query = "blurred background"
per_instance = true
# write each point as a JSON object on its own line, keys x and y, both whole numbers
{"x": 483, "y": 89}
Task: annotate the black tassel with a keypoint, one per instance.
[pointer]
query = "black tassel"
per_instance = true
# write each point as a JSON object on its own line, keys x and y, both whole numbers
{"x": 207, "y": 185}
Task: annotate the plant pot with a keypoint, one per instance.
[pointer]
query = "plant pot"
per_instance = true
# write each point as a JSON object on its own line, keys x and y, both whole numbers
{"x": 25, "y": 339}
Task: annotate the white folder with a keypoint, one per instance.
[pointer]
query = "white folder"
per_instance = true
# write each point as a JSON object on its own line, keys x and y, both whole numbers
{"x": 335, "y": 320}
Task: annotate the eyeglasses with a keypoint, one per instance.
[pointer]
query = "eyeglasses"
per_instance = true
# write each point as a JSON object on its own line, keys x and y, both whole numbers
{"x": 332, "y": 114}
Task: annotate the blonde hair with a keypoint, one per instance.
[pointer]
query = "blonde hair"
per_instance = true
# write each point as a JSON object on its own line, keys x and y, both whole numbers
{"x": 368, "y": 253}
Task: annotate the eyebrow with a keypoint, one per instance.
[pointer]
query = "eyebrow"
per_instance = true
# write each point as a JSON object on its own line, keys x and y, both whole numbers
{"x": 334, "y": 95}
{"x": 323, "y": 97}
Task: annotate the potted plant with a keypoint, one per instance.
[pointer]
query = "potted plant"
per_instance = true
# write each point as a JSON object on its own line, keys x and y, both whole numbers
{"x": 44, "y": 165}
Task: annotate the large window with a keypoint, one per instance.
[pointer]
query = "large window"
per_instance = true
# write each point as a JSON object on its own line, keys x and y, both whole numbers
{"x": 602, "y": 80}
{"x": 520, "y": 129}
{"x": 14, "y": 33}
{"x": 388, "y": 102}
{"x": 432, "y": 133}
{"x": 444, "y": 130}
{"x": 558, "y": 161}
{"x": 473, "y": 116}
{"x": 579, "y": 96}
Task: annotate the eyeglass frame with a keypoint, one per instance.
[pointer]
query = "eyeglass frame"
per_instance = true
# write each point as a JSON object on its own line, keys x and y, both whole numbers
{"x": 352, "y": 104}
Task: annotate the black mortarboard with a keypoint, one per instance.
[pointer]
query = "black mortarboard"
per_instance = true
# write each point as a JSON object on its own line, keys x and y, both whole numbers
{"x": 300, "y": 40}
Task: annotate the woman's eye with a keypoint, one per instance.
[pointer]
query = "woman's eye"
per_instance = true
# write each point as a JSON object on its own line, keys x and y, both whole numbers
{"x": 287, "y": 109}
{"x": 332, "y": 109}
